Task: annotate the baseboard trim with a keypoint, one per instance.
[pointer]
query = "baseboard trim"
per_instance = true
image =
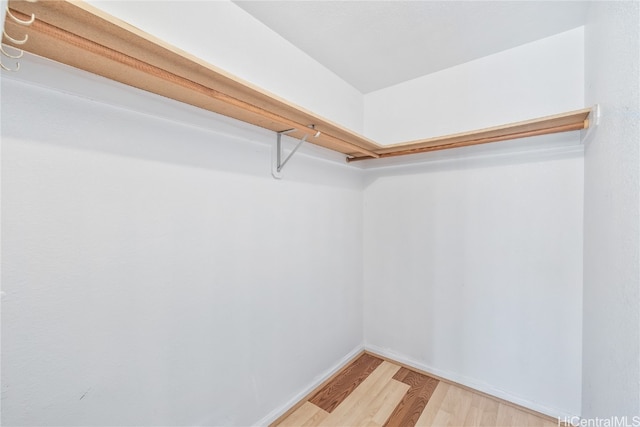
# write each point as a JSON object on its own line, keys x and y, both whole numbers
{"x": 553, "y": 414}
{"x": 298, "y": 400}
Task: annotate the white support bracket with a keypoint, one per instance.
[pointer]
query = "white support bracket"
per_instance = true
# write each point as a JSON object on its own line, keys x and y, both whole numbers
{"x": 594, "y": 121}
{"x": 277, "y": 163}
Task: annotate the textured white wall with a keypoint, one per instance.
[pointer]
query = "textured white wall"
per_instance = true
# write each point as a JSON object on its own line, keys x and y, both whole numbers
{"x": 242, "y": 45}
{"x": 537, "y": 79}
{"x": 156, "y": 274}
{"x": 611, "y": 362}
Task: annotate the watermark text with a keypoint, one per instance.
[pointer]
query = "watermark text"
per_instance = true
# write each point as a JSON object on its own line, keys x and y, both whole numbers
{"x": 615, "y": 421}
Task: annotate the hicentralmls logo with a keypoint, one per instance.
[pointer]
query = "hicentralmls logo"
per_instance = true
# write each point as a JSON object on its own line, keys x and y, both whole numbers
{"x": 623, "y": 421}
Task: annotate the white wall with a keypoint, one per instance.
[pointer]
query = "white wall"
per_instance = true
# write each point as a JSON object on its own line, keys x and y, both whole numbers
{"x": 473, "y": 261}
{"x": 242, "y": 45}
{"x": 473, "y": 271}
{"x": 154, "y": 272}
{"x": 611, "y": 361}
{"x": 3, "y": 5}
{"x": 537, "y": 79}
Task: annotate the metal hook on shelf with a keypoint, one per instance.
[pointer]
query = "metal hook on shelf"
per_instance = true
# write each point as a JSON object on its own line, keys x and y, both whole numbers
{"x": 8, "y": 55}
{"x": 20, "y": 21}
{"x": 15, "y": 41}
{"x": 20, "y": 52}
{"x": 4, "y": 67}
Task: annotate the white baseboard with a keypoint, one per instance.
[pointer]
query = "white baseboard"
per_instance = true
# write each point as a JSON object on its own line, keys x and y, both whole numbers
{"x": 276, "y": 413}
{"x": 471, "y": 383}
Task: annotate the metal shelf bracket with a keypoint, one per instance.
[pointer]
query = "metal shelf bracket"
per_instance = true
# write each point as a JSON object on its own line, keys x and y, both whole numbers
{"x": 277, "y": 152}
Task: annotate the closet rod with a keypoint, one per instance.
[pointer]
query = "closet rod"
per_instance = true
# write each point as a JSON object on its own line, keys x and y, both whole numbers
{"x": 94, "y": 48}
{"x": 82, "y": 36}
{"x": 572, "y": 121}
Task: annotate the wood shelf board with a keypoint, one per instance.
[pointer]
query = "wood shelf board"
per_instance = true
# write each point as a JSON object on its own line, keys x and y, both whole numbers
{"x": 82, "y": 36}
{"x": 565, "y": 122}
{"x": 548, "y": 122}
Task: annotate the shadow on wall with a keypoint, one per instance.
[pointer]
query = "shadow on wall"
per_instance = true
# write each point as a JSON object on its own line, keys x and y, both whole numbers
{"x": 58, "y": 105}
{"x": 527, "y": 150}
{"x": 195, "y": 138}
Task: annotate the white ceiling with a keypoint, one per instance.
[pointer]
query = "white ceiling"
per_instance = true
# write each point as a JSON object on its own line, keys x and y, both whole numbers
{"x": 376, "y": 44}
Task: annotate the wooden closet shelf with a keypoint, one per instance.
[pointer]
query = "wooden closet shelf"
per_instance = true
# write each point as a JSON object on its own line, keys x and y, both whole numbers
{"x": 77, "y": 34}
{"x": 573, "y": 120}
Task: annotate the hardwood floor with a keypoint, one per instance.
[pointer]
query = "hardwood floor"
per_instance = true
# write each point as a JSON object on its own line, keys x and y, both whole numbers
{"x": 374, "y": 392}
{"x": 331, "y": 395}
{"x": 413, "y": 403}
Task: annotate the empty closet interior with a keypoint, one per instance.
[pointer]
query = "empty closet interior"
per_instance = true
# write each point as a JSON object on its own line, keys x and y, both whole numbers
{"x": 207, "y": 213}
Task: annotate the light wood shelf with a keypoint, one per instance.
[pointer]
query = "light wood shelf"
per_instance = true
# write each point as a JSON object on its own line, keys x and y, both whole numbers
{"x": 565, "y": 122}
{"x": 82, "y": 36}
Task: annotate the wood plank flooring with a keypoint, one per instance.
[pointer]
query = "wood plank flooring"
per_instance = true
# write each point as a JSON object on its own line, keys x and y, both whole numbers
{"x": 330, "y": 396}
{"x": 374, "y": 392}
